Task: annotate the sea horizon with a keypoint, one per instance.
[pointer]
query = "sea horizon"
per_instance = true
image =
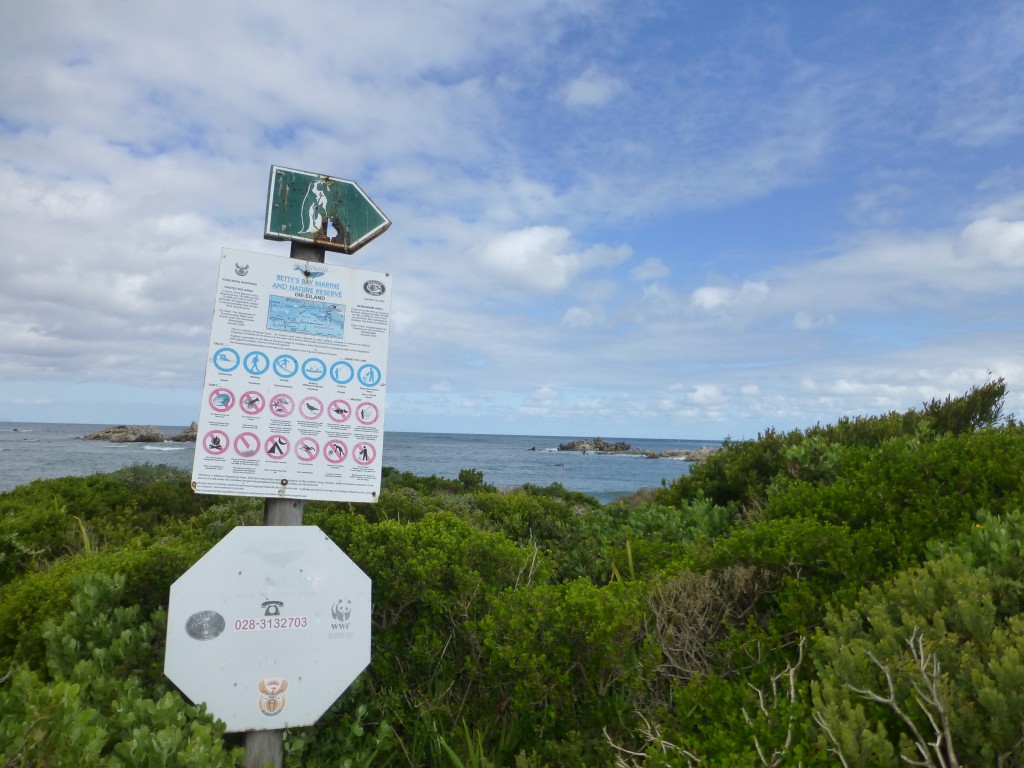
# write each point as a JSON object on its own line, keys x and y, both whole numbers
{"x": 611, "y": 437}
{"x": 39, "y": 450}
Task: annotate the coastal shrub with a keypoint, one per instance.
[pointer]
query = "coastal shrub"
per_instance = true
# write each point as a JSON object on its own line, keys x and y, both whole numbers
{"x": 578, "y": 501}
{"x": 823, "y": 541}
{"x": 216, "y": 521}
{"x": 529, "y": 518}
{"x": 580, "y": 537}
{"x": 433, "y": 580}
{"x": 734, "y": 477}
{"x": 27, "y": 602}
{"x": 101, "y": 700}
{"x": 469, "y": 479}
{"x": 906, "y": 493}
{"x": 746, "y": 614}
{"x": 619, "y": 541}
{"x": 928, "y": 665}
{"x": 564, "y": 659}
{"x": 723, "y": 722}
{"x": 994, "y": 545}
{"x": 49, "y": 519}
{"x": 349, "y": 734}
{"x": 690, "y": 616}
{"x": 805, "y": 564}
{"x": 34, "y": 536}
{"x": 742, "y": 472}
{"x": 979, "y": 407}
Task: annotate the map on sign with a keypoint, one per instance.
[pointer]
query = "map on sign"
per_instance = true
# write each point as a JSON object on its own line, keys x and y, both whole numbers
{"x": 305, "y": 316}
{"x": 296, "y": 377}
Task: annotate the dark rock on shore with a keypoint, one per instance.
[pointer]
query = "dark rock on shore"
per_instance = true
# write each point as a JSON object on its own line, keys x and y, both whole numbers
{"x": 128, "y": 434}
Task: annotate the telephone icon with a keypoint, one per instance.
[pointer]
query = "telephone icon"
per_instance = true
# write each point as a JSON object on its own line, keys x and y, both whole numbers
{"x": 272, "y": 607}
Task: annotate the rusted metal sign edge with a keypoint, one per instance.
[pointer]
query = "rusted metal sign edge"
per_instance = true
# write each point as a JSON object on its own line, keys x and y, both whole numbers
{"x": 308, "y": 219}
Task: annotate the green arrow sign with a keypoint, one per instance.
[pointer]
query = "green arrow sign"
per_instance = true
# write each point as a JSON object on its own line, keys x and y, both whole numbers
{"x": 334, "y": 214}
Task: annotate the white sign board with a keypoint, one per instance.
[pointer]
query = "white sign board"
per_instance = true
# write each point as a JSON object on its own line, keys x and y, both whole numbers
{"x": 269, "y": 627}
{"x": 293, "y": 404}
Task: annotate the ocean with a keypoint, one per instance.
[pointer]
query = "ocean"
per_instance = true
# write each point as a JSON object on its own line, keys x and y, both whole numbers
{"x": 32, "y": 451}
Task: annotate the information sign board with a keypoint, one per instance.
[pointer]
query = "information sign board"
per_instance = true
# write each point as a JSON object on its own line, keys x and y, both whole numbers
{"x": 269, "y": 627}
{"x": 293, "y": 402}
{"x": 320, "y": 210}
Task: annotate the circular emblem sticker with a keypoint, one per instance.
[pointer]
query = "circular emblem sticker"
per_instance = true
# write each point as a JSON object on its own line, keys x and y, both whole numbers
{"x": 374, "y": 287}
{"x": 204, "y": 625}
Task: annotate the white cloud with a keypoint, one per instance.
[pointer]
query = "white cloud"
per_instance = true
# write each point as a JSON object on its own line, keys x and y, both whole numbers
{"x": 543, "y": 162}
{"x": 593, "y": 88}
{"x": 994, "y": 240}
{"x": 544, "y": 259}
{"x": 582, "y": 317}
{"x": 710, "y": 298}
{"x": 650, "y": 269}
{"x": 707, "y": 394}
{"x": 808, "y": 321}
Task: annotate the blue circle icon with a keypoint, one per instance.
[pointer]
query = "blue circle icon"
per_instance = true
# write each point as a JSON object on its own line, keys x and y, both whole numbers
{"x": 369, "y": 375}
{"x": 342, "y": 372}
{"x": 226, "y": 359}
{"x": 256, "y": 363}
{"x": 314, "y": 369}
{"x": 286, "y": 366}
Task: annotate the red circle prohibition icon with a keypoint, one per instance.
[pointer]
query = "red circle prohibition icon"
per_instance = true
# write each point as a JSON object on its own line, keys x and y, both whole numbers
{"x": 282, "y": 406}
{"x": 307, "y": 449}
{"x": 339, "y": 411}
{"x": 367, "y": 413}
{"x": 311, "y": 408}
{"x": 335, "y": 451}
{"x": 363, "y": 453}
{"x": 247, "y": 444}
{"x": 222, "y": 399}
{"x": 252, "y": 402}
{"x": 215, "y": 442}
{"x": 277, "y": 446}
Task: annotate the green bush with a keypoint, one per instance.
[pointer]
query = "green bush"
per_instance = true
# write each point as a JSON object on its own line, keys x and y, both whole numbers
{"x": 564, "y": 659}
{"x": 930, "y": 664}
{"x": 101, "y": 700}
{"x": 50, "y": 519}
{"x": 28, "y": 602}
{"x": 747, "y": 614}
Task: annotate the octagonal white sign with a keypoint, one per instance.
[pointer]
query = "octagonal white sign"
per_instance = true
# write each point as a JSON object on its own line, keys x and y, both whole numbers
{"x": 269, "y": 627}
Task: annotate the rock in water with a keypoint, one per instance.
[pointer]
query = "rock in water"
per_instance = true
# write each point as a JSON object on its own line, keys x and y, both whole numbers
{"x": 188, "y": 436}
{"x": 597, "y": 445}
{"x": 128, "y": 434}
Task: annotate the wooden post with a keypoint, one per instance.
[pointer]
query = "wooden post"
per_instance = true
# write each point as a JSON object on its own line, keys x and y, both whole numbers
{"x": 264, "y": 748}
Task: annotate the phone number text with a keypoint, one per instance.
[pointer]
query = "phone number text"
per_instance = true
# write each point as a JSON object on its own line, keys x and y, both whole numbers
{"x": 277, "y": 622}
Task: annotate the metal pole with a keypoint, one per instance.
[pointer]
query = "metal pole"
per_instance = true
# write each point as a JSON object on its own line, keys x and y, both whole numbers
{"x": 264, "y": 748}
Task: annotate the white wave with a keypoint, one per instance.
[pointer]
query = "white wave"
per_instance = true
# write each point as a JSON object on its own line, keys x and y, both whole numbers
{"x": 164, "y": 448}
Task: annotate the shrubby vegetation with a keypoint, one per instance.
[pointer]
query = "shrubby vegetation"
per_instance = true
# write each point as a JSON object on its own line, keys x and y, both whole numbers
{"x": 848, "y": 594}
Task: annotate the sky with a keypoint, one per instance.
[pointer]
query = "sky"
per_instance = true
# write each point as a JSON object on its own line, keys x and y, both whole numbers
{"x": 671, "y": 219}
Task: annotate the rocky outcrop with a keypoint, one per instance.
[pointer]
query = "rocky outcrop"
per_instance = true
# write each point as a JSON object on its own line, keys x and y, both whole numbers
{"x": 128, "y": 434}
{"x": 595, "y": 445}
{"x": 186, "y": 436}
{"x": 603, "y": 447}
